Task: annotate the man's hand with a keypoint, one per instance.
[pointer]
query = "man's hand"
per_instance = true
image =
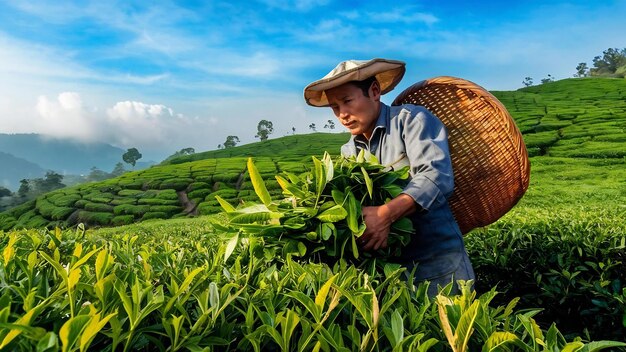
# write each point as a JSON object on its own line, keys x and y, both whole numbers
{"x": 377, "y": 226}
{"x": 378, "y": 221}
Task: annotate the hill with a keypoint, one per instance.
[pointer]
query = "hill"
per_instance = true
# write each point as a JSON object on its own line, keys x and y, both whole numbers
{"x": 14, "y": 169}
{"x": 575, "y": 118}
{"x": 61, "y": 155}
{"x": 293, "y": 147}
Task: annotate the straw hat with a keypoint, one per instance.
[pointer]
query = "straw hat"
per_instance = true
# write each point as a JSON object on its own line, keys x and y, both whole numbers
{"x": 387, "y": 72}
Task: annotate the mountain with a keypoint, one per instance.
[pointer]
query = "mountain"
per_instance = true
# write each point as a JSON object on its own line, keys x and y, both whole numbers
{"x": 14, "y": 169}
{"x": 61, "y": 155}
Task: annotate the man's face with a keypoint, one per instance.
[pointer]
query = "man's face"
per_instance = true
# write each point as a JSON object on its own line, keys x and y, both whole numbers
{"x": 354, "y": 110}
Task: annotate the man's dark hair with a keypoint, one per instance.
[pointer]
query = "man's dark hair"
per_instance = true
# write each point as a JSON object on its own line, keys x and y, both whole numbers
{"x": 365, "y": 84}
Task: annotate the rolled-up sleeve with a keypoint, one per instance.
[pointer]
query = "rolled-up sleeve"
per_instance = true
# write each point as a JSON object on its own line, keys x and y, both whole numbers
{"x": 426, "y": 142}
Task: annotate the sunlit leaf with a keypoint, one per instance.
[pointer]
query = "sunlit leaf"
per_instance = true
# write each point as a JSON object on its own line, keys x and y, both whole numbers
{"x": 368, "y": 182}
{"x": 71, "y": 330}
{"x": 258, "y": 183}
{"x": 320, "y": 298}
{"x": 224, "y": 204}
{"x": 230, "y": 246}
{"x": 334, "y": 214}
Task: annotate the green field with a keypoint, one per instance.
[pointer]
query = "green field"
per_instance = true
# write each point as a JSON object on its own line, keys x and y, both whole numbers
{"x": 151, "y": 273}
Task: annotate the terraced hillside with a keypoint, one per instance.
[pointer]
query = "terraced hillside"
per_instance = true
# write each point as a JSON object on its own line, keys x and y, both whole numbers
{"x": 294, "y": 148}
{"x": 579, "y": 118}
{"x": 185, "y": 186}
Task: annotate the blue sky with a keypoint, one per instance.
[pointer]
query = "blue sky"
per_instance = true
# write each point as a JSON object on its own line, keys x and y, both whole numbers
{"x": 170, "y": 75}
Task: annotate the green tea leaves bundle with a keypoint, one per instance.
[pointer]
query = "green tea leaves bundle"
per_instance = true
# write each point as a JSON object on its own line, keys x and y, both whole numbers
{"x": 321, "y": 211}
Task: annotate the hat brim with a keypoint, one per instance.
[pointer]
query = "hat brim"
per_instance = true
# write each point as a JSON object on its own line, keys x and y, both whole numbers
{"x": 388, "y": 73}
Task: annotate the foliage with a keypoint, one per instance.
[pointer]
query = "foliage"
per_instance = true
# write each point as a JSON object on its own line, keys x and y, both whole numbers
{"x": 165, "y": 288}
{"x": 548, "y": 79}
{"x": 264, "y": 129}
{"x": 571, "y": 262}
{"x": 582, "y": 70}
{"x": 611, "y": 60}
{"x": 321, "y": 214}
{"x": 312, "y": 127}
{"x": 330, "y": 124}
{"x": 131, "y": 156}
{"x": 184, "y": 151}
{"x": 231, "y": 141}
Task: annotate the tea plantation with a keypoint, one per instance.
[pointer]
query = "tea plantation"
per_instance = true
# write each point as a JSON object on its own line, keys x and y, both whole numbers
{"x": 577, "y": 118}
{"x": 150, "y": 273}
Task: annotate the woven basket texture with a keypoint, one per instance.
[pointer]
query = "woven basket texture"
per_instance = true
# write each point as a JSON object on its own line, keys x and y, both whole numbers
{"x": 489, "y": 158}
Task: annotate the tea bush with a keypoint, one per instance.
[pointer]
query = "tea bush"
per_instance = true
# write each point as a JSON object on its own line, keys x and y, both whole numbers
{"x": 173, "y": 288}
{"x": 572, "y": 263}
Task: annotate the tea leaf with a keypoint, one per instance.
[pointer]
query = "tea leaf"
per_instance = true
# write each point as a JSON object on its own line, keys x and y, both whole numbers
{"x": 328, "y": 165}
{"x": 497, "y": 340}
{"x": 397, "y": 328}
{"x": 92, "y": 329}
{"x": 49, "y": 342}
{"x": 320, "y": 299}
{"x": 19, "y": 325}
{"x": 71, "y": 330}
{"x": 600, "y": 345}
{"x": 465, "y": 328}
{"x": 573, "y": 347}
{"x": 9, "y": 250}
{"x": 442, "y": 303}
{"x": 368, "y": 182}
{"x": 354, "y": 212}
{"x": 230, "y": 246}
{"x": 311, "y": 306}
{"x": 334, "y": 214}
{"x": 225, "y": 205}
{"x": 258, "y": 183}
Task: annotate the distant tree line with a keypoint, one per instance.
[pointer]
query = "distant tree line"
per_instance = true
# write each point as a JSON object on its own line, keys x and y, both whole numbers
{"x": 612, "y": 63}
{"x": 264, "y": 129}
{"x": 30, "y": 189}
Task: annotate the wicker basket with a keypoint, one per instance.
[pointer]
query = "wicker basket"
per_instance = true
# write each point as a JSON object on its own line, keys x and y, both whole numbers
{"x": 489, "y": 158}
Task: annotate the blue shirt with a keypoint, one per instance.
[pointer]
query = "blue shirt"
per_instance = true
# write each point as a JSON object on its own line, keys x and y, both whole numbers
{"x": 410, "y": 135}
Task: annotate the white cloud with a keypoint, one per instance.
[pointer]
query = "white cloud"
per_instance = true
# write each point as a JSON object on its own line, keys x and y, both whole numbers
{"x": 65, "y": 117}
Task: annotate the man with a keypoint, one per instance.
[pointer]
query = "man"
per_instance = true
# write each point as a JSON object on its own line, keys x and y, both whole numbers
{"x": 399, "y": 136}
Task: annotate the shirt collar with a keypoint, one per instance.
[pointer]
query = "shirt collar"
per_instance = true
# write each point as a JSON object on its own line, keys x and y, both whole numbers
{"x": 382, "y": 123}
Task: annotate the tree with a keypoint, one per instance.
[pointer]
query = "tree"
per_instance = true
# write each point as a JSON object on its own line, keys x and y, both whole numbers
{"x": 547, "y": 79}
{"x": 24, "y": 188}
{"x": 231, "y": 141}
{"x": 97, "y": 175}
{"x": 312, "y": 126}
{"x": 50, "y": 182}
{"x": 5, "y": 192}
{"x": 131, "y": 156}
{"x": 264, "y": 129}
{"x": 581, "y": 70}
{"x": 330, "y": 125}
{"x": 528, "y": 81}
{"x": 611, "y": 60}
{"x": 118, "y": 170}
{"x": 293, "y": 130}
{"x": 184, "y": 151}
